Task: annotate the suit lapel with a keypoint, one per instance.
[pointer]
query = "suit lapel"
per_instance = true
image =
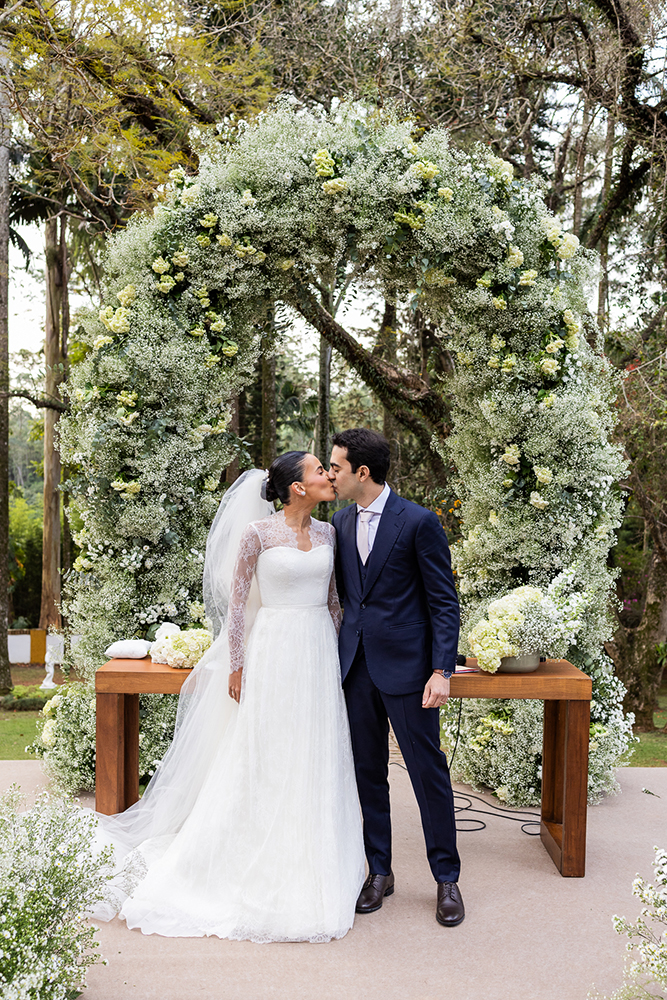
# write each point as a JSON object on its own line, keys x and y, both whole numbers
{"x": 389, "y": 528}
{"x": 348, "y": 544}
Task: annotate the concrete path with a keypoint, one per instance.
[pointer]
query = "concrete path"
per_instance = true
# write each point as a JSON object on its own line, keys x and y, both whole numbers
{"x": 529, "y": 934}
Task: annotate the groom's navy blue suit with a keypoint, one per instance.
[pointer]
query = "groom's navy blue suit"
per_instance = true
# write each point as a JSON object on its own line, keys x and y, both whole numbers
{"x": 400, "y": 622}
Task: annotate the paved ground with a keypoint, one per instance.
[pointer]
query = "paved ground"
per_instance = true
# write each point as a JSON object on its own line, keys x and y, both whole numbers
{"x": 529, "y": 934}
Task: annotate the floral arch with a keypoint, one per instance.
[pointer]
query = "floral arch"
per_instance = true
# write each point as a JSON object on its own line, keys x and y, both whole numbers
{"x": 297, "y": 201}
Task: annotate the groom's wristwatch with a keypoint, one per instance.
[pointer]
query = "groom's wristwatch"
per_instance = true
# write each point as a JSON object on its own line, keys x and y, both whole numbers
{"x": 442, "y": 674}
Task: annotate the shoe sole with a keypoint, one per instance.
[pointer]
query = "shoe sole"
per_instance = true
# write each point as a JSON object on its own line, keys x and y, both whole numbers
{"x": 450, "y": 923}
{"x": 387, "y": 892}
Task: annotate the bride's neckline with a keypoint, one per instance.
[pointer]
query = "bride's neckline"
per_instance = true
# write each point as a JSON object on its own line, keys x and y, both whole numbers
{"x": 295, "y": 531}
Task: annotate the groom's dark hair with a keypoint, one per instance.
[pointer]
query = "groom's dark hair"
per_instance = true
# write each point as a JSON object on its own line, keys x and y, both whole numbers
{"x": 366, "y": 447}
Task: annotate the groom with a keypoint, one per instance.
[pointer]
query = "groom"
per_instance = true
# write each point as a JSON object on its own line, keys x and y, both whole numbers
{"x": 398, "y": 645}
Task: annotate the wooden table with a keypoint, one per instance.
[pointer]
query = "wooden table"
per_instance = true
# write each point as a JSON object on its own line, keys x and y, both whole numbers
{"x": 565, "y": 690}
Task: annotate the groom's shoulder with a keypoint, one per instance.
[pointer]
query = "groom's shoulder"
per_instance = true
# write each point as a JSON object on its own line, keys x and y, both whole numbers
{"x": 412, "y": 510}
{"x": 338, "y": 515}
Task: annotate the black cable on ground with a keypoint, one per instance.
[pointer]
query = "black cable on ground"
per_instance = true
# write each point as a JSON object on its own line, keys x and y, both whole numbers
{"x": 499, "y": 811}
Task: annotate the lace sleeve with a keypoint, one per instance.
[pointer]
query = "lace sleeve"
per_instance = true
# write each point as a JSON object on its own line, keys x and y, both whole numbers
{"x": 249, "y": 549}
{"x": 333, "y": 602}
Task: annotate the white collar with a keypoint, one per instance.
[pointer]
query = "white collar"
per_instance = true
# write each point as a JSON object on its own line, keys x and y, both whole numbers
{"x": 378, "y": 504}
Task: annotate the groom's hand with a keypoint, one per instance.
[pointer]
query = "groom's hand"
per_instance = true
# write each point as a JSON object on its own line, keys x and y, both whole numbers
{"x": 436, "y": 691}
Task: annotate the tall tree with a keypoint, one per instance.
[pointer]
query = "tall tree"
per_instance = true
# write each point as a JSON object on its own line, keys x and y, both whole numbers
{"x": 5, "y": 138}
{"x": 55, "y": 357}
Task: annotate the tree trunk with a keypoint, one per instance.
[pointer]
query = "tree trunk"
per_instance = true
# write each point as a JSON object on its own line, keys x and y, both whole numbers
{"x": 55, "y": 358}
{"x": 603, "y": 287}
{"x": 269, "y": 415}
{"x": 634, "y": 650}
{"x": 322, "y": 430}
{"x": 580, "y": 170}
{"x": 5, "y": 671}
{"x": 388, "y": 345}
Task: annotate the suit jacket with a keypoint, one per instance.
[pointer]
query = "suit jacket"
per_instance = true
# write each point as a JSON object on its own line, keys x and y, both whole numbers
{"x": 402, "y": 606}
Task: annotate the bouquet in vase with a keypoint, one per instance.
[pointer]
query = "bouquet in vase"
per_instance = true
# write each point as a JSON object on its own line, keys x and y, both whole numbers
{"x": 526, "y": 621}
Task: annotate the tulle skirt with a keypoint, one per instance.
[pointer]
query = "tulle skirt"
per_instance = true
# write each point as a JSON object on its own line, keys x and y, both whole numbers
{"x": 271, "y": 849}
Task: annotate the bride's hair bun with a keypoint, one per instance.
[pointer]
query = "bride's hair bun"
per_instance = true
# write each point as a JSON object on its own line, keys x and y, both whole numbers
{"x": 286, "y": 469}
{"x": 269, "y": 492}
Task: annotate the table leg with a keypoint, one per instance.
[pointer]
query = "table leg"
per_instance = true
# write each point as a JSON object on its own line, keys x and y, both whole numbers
{"x": 565, "y": 784}
{"x": 117, "y": 752}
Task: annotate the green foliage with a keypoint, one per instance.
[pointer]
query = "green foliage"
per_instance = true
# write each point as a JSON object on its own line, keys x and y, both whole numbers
{"x": 26, "y": 698}
{"x": 49, "y": 879}
{"x": 66, "y": 737}
{"x": 25, "y": 558}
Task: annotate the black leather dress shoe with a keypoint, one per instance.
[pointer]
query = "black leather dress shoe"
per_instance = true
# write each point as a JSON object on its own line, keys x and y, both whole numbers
{"x": 376, "y": 887}
{"x": 450, "y": 910}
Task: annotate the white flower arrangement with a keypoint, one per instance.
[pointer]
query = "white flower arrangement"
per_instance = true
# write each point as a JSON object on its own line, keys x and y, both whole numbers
{"x": 49, "y": 879}
{"x": 181, "y": 649}
{"x": 233, "y": 241}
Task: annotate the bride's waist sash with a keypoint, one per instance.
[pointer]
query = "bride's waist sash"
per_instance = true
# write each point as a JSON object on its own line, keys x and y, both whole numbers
{"x": 293, "y": 607}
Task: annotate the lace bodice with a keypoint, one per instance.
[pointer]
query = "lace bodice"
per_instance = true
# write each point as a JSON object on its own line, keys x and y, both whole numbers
{"x": 285, "y": 579}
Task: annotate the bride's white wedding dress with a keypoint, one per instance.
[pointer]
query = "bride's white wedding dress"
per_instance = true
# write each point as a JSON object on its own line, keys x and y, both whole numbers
{"x": 270, "y": 846}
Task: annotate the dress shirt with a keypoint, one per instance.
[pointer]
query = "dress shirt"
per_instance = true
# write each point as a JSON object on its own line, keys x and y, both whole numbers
{"x": 375, "y": 509}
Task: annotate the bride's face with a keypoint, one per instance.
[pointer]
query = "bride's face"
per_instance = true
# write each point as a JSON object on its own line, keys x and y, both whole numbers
{"x": 315, "y": 482}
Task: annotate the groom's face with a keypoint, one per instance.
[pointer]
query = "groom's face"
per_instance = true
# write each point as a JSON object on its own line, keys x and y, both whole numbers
{"x": 346, "y": 482}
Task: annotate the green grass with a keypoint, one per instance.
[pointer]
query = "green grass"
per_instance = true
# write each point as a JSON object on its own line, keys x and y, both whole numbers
{"x": 651, "y": 751}
{"x": 17, "y": 730}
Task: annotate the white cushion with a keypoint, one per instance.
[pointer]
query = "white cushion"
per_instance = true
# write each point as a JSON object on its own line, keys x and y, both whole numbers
{"x": 128, "y": 649}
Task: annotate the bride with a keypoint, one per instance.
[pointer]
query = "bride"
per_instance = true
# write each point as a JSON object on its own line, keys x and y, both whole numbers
{"x": 250, "y": 828}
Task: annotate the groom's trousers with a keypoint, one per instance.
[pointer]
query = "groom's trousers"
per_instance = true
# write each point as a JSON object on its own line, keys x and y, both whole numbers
{"x": 417, "y": 730}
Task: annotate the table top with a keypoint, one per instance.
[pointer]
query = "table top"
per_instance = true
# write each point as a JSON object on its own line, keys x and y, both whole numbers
{"x": 554, "y": 680}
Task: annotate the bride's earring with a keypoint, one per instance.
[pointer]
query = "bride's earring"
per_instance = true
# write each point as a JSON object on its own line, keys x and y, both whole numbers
{"x": 300, "y": 490}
